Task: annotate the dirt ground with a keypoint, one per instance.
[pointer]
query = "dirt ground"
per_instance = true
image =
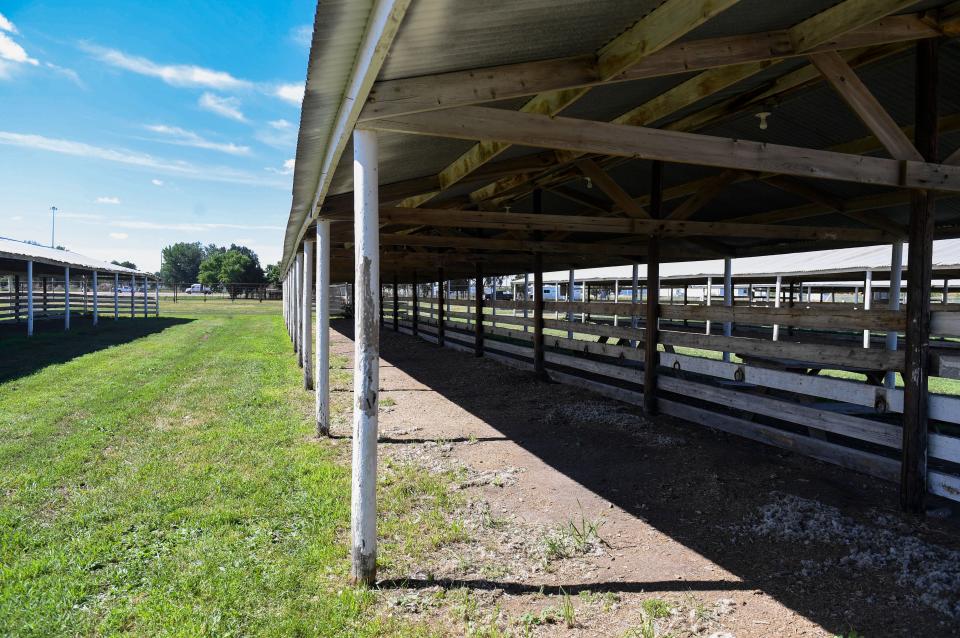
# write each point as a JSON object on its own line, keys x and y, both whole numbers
{"x": 586, "y": 519}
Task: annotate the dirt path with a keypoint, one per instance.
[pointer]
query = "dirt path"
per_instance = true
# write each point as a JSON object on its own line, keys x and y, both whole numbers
{"x": 643, "y": 528}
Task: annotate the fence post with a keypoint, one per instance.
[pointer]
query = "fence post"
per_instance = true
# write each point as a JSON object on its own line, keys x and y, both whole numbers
{"x": 478, "y": 312}
{"x": 306, "y": 336}
{"x": 651, "y": 357}
{"x": 66, "y": 298}
{"x": 322, "y": 381}
{"x": 440, "y": 314}
{"x": 96, "y": 301}
{"x": 30, "y": 298}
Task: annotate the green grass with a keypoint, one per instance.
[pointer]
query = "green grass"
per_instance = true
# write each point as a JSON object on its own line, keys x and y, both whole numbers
{"x": 166, "y": 482}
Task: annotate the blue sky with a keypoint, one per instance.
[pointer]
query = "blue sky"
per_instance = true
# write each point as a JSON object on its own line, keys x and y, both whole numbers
{"x": 148, "y": 123}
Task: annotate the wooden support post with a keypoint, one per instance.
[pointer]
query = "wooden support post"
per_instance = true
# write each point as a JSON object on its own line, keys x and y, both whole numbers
{"x": 66, "y": 298}
{"x": 776, "y": 304}
{"x": 727, "y": 298}
{"x": 913, "y": 468}
{"x": 867, "y": 302}
{"x": 893, "y": 302}
{"x": 133, "y": 296}
{"x": 156, "y": 297}
{"x": 526, "y": 298}
{"x": 30, "y": 298}
{"x": 96, "y": 303}
{"x": 322, "y": 374}
{"x": 45, "y": 310}
{"x": 366, "y": 374}
{"x": 415, "y": 304}
{"x": 16, "y": 298}
{"x": 478, "y": 314}
{"x": 441, "y": 318}
{"x": 396, "y": 304}
{"x": 651, "y": 357}
{"x": 306, "y": 320}
{"x": 146, "y": 287}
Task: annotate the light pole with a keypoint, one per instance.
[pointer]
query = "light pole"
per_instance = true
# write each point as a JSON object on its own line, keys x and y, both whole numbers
{"x": 53, "y": 224}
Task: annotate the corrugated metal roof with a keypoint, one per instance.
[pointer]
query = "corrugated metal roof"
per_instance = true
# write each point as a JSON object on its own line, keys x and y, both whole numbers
{"x": 20, "y": 250}
{"x": 946, "y": 256}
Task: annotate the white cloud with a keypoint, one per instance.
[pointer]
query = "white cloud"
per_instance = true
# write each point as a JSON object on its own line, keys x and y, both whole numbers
{"x": 6, "y": 25}
{"x": 280, "y": 125}
{"x": 186, "y": 226}
{"x": 182, "y": 75}
{"x": 156, "y": 182}
{"x": 228, "y": 107}
{"x": 292, "y": 93}
{"x": 13, "y": 52}
{"x": 83, "y": 216}
{"x": 302, "y": 35}
{"x": 122, "y": 156}
{"x": 17, "y": 218}
{"x": 278, "y": 134}
{"x": 287, "y": 169}
{"x": 108, "y": 200}
{"x": 119, "y": 235}
{"x": 70, "y": 74}
{"x": 183, "y": 137}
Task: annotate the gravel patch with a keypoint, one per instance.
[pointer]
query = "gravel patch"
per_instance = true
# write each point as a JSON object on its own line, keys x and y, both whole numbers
{"x": 932, "y": 571}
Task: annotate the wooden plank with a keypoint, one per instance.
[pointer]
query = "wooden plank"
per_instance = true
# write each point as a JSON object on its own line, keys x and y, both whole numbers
{"x": 603, "y": 138}
{"x": 462, "y": 88}
{"x": 815, "y": 354}
{"x": 856, "y": 94}
{"x": 832, "y": 318}
{"x": 613, "y": 190}
{"x": 489, "y": 243}
{"x": 841, "y": 18}
{"x": 705, "y": 195}
{"x": 945, "y": 324}
{"x": 865, "y": 462}
{"x": 603, "y": 389}
{"x": 538, "y": 344}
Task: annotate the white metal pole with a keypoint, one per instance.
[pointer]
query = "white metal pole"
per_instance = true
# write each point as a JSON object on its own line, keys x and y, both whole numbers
{"x": 30, "y": 298}
{"x": 66, "y": 298}
{"x": 366, "y": 377}
{"x": 709, "y": 300}
{"x": 146, "y": 284}
{"x": 570, "y": 286}
{"x": 867, "y": 294}
{"x": 727, "y": 298}
{"x": 893, "y": 294}
{"x": 526, "y": 296}
{"x": 946, "y": 290}
{"x": 635, "y": 297}
{"x": 306, "y": 335}
{"x": 583, "y": 299}
{"x": 133, "y": 296}
{"x": 156, "y": 298}
{"x": 776, "y": 304}
{"x": 96, "y": 302}
{"x": 616, "y": 298}
{"x": 322, "y": 375}
{"x": 116, "y": 296}
{"x": 297, "y": 291}
{"x": 493, "y": 303}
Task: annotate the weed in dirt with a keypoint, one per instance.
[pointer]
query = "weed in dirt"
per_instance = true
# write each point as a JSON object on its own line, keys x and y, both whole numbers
{"x": 585, "y": 533}
{"x": 657, "y": 608}
{"x": 567, "y": 612}
{"x": 646, "y": 629}
{"x": 528, "y": 621}
{"x": 464, "y": 606}
{"x": 853, "y": 633}
{"x": 387, "y": 402}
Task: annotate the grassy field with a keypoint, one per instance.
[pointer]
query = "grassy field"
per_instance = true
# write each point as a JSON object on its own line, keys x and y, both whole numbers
{"x": 160, "y": 477}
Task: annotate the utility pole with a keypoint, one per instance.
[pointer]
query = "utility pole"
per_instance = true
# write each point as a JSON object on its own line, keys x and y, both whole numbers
{"x": 53, "y": 224}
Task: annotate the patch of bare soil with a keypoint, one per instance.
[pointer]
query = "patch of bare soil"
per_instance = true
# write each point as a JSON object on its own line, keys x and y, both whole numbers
{"x": 584, "y": 518}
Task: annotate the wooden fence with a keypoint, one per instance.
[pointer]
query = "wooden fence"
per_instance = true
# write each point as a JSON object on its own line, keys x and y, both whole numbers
{"x": 770, "y": 391}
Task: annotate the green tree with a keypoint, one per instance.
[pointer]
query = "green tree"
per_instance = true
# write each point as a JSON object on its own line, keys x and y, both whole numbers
{"x": 181, "y": 262}
{"x": 272, "y": 274}
{"x": 124, "y": 264}
{"x": 209, "y": 272}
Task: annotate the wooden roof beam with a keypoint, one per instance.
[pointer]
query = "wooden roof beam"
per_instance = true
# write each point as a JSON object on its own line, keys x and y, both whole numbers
{"x": 584, "y": 136}
{"x": 612, "y": 189}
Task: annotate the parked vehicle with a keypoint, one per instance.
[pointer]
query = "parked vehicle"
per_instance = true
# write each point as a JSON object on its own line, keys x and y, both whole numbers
{"x": 502, "y": 295}
{"x": 551, "y": 292}
{"x": 197, "y": 289}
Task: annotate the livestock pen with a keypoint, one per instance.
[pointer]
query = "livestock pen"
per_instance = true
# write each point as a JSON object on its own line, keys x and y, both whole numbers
{"x": 442, "y": 141}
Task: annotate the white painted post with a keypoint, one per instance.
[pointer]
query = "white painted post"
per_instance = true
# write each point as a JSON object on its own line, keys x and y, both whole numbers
{"x": 776, "y": 304}
{"x": 709, "y": 300}
{"x": 322, "y": 380}
{"x": 893, "y": 301}
{"x": 297, "y": 304}
{"x": 30, "y": 298}
{"x": 526, "y": 297}
{"x": 493, "y": 302}
{"x": 156, "y": 298}
{"x": 146, "y": 284}
{"x": 570, "y": 286}
{"x": 616, "y": 298}
{"x": 635, "y": 296}
{"x": 83, "y": 288}
{"x": 366, "y": 377}
{"x": 96, "y": 302}
{"x": 727, "y": 298}
{"x": 946, "y": 290}
{"x": 306, "y": 321}
{"x": 133, "y": 296}
{"x": 583, "y": 299}
{"x": 867, "y": 294}
{"x": 116, "y": 296}
{"x": 66, "y": 297}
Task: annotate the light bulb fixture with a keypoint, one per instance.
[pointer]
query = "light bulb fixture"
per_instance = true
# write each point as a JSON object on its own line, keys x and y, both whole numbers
{"x": 589, "y": 183}
{"x": 506, "y": 209}
{"x": 763, "y": 115}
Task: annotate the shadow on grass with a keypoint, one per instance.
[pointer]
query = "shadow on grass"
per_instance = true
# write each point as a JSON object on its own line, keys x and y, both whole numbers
{"x": 50, "y": 344}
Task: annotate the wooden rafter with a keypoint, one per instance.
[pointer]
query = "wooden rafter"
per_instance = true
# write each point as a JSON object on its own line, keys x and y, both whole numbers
{"x": 829, "y": 201}
{"x": 841, "y": 18}
{"x": 714, "y": 186}
{"x": 856, "y": 94}
{"x": 613, "y": 190}
{"x": 667, "y": 23}
{"x": 585, "y": 136}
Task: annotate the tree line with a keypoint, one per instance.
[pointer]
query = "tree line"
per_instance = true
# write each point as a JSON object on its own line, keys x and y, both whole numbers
{"x": 210, "y": 265}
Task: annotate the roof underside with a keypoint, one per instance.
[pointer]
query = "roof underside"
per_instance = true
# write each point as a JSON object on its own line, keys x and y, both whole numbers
{"x": 14, "y": 255}
{"x": 442, "y": 36}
